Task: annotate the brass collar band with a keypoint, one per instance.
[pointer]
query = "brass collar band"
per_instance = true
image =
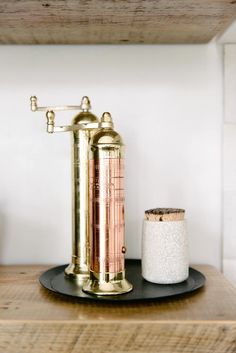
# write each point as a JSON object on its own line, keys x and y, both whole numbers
{"x": 107, "y": 284}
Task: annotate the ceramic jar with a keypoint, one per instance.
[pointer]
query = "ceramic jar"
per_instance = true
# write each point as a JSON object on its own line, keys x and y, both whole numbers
{"x": 165, "y": 258}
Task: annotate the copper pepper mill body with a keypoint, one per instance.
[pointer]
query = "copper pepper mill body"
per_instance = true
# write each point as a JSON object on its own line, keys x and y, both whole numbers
{"x": 107, "y": 223}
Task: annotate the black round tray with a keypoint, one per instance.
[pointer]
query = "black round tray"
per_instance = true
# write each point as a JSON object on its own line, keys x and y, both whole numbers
{"x": 56, "y": 281}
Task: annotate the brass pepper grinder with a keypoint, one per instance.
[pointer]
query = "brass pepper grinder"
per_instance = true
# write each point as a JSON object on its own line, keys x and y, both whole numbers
{"x": 82, "y": 128}
{"x": 107, "y": 224}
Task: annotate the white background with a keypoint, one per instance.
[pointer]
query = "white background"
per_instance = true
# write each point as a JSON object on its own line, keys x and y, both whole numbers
{"x": 229, "y": 158}
{"x": 167, "y": 104}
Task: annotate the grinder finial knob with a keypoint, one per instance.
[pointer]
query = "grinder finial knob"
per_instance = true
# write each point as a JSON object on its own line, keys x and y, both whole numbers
{"x": 85, "y": 104}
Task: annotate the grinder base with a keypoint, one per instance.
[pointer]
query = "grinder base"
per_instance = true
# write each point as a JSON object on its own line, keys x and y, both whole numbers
{"x": 107, "y": 284}
{"x": 75, "y": 271}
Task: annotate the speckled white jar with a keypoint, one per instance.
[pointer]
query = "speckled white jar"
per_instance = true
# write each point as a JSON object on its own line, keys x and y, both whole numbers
{"x": 165, "y": 257}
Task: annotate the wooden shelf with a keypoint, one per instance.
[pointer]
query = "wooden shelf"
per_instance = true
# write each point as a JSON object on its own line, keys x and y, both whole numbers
{"x": 35, "y": 320}
{"x": 113, "y": 21}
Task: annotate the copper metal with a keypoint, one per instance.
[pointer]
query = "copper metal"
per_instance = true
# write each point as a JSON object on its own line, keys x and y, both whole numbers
{"x": 98, "y": 181}
{"x": 107, "y": 224}
{"x": 107, "y": 214}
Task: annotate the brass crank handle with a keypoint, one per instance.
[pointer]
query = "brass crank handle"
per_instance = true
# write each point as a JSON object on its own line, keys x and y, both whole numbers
{"x": 52, "y": 128}
{"x": 50, "y": 115}
{"x": 85, "y": 105}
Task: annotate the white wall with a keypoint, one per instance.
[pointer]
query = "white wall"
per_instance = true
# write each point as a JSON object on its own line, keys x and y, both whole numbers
{"x": 167, "y": 104}
{"x": 229, "y": 36}
{"x": 229, "y": 155}
{"x": 229, "y": 171}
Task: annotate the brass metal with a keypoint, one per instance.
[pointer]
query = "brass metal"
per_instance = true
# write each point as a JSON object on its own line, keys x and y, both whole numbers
{"x": 85, "y": 105}
{"x": 98, "y": 247}
{"x": 82, "y": 128}
{"x": 79, "y": 265}
{"x": 107, "y": 227}
{"x": 50, "y": 121}
{"x": 107, "y": 284}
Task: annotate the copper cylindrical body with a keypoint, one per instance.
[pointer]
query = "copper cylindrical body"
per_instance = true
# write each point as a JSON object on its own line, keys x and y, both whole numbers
{"x": 107, "y": 211}
{"x": 106, "y": 193}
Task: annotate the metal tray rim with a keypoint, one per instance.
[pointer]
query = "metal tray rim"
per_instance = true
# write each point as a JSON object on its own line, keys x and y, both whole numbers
{"x": 195, "y": 276}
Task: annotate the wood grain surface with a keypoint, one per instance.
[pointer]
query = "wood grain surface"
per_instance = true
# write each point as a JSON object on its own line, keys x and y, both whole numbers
{"x": 71, "y": 337}
{"x": 113, "y": 21}
{"x": 35, "y": 320}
